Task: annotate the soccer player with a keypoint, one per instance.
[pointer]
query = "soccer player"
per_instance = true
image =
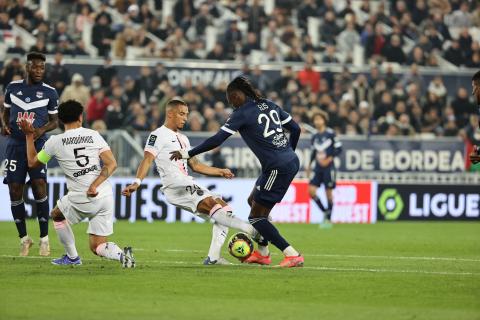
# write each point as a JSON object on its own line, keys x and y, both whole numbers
{"x": 475, "y": 156}
{"x": 37, "y": 102}
{"x": 324, "y": 148}
{"x": 79, "y": 152}
{"x": 179, "y": 188}
{"x": 261, "y": 124}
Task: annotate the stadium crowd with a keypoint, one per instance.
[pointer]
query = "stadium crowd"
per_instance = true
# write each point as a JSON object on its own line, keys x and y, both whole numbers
{"x": 379, "y": 102}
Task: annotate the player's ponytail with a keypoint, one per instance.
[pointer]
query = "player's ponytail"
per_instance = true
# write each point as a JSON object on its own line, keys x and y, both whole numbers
{"x": 243, "y": 84}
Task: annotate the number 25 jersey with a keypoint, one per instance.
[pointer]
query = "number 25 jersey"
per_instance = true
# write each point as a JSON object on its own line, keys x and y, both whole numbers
{"x": 260, "y": 125}
{"x": 78, "y": 154}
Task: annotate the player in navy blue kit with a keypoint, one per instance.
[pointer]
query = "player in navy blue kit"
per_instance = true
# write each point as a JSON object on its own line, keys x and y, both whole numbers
{"x": 261, "y": 124}
{"x": 37, "y": 102}
{"x": 475, "y": 155}
{"x": 325, "y": 147}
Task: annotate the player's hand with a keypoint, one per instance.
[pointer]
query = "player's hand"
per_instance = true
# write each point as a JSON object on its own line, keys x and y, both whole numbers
{"x": 179, "y": 154}
{"x": 127, "y": 192}
{"x": 92, "y": 191}
{"x": 6, "y": 131}
{"x": 226, "y": 173}
{"x": 326, "y": 162}
{"x": 26, "y": 127}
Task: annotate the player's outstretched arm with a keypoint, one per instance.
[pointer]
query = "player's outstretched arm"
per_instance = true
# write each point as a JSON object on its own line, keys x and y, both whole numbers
{"x": 295, "y": 131}
{"x": 207, "y": 145}
{"x": 49, "y": 126}
{"x": 109, "y": 166}
{"x": 142, "y": 172}
{"x": 202, "y": 168}
{"x": 32, "y": 155}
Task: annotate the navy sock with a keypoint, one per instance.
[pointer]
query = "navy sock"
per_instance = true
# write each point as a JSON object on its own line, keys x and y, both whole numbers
{"x": 269, "y": 232}
{"x": 319, "y": 203}
{"x": 329, "y": 209}
{"x": 42, "y": 215}
{"x": 18, "y": 212}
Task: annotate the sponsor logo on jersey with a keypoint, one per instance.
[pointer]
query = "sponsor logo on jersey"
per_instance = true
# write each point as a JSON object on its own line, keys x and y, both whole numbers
{"x": 29, "y": 116}
{"x": 85, "y": 171}
{"x": 39, "y": 94}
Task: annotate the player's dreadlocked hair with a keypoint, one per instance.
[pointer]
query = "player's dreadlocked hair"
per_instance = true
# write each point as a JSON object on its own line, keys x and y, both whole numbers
{"x": 243, "y": 84}
{"x": 476, "y": 77}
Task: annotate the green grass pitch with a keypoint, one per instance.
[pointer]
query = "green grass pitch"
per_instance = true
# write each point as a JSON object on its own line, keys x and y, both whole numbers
{"x": 383, "y": 271}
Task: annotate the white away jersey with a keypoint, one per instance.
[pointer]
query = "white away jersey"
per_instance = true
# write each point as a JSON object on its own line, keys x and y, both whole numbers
{"x": 160, "y": 143}
{"x": 78, "y": 154}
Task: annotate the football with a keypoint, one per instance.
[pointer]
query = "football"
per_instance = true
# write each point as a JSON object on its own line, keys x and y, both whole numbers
{"x": 240, "y": 246}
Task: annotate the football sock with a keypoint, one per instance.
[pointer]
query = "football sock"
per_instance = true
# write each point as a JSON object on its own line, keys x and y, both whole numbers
{"x": 269, "y": 232}
{"x": 219, "y": 234}
{"x": 66, "y": 237}
{"x": 319, "y": 203}
{"x": 18, "y": 212}
{"x": 229, "y": 220}
{"x": 109, "y": 250}
{"x": 42, "y": 215}
{"x": 329, "y": 209}
{"x": 290, "y": 251}
{"x": 263, "y": 247}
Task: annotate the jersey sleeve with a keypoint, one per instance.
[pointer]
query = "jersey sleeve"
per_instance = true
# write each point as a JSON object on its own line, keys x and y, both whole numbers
{"x": 234, "y": 123}
{"x": 7, "y": 102}
{"x": 48, "y": 151}
{"x": 337, "y": 145}
{"x": 285, "y": 117}
{"x": 101, "y": 143}
{"x": 151, "y": 146}
{"x": 53, "y": 103}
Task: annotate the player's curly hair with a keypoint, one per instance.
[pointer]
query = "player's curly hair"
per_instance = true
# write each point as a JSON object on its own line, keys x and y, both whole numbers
{"x": 321, "y": 113}
{"x": 36, "y": 56}
{"x": 69, "y": 111}
{"x": 244, "y": 85}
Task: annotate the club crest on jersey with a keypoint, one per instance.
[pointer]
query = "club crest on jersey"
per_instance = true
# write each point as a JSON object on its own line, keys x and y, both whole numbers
{"x": 39, "y": 94}
{"x": 27, "y": 99}
{"x": 29, "y": 116}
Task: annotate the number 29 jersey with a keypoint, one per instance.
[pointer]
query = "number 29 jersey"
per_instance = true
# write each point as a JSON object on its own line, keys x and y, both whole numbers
{"x": 78, "y": 154}
{"x": 260, "y": 125}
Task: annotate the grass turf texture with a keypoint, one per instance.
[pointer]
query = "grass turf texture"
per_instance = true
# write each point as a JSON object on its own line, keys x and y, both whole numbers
{"x": 383, "y": 271}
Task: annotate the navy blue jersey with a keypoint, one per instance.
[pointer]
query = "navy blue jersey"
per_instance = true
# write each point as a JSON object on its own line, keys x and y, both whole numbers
{"x": 260, "y": 125}
{"x": 324, "y": 145}
{"x": 31, "y": 102}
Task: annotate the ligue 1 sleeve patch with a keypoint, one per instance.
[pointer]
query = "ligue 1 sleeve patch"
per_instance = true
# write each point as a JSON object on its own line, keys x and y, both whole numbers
{"x": 151, "y": 140}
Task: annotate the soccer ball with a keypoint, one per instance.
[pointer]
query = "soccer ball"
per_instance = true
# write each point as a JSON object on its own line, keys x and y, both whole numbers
{"x": 240, "y": 246}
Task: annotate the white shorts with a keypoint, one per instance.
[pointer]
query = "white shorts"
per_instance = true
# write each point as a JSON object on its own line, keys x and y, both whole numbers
{"x": 75, "y": 207}
{"x": 186, "y": 195}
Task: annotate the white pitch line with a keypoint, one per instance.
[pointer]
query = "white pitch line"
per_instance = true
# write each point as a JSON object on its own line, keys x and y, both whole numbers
{"x": 337, "y": 269}
{"x": 359, "y": 256}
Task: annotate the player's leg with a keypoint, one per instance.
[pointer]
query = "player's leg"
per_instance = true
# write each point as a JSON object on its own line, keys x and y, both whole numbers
{"x": 39, "y": 189}
{"x": 272, "y": 186}
{"x": 263, "y": 253}
{"x": 330, "y": 184}
{"x": 313, "y": 188}
{"x": 219, "y": 235}
{"x": 65, "y": 235}
{"x": 100, "y": 227}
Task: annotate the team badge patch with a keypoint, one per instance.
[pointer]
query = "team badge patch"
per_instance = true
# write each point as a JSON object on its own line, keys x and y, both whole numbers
{"x": 152, "y": 139}
{"x": 39, "y": 94}
{"x": 27, "y": 99}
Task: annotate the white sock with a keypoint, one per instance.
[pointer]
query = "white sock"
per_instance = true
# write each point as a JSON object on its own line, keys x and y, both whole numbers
{"x": 229, "y": 220}
{"x": 290, "y": 251}
{"x": 44, "y": 239}
{"x": 263, "y": 250}
{"x": 109, "y": 250}
{"x": 219, "y": 235}
{"x": 66, "y": 237}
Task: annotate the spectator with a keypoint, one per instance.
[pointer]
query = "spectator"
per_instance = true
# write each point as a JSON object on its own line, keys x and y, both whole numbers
{"x": 347, "y": 40}
{"x": 39, "y": 46}
{"x": 454, "y": 54}
{"x": 18, "y": 48}
{"x": 393, "y": 52}
{"x": 309, "y": 78}
{"x": 461, "y": 18}
{"x": 106, "y": 72}
{"x": 306, "y": 10}
{"x": 76, "y": 91}
{"x": 462, "y": 107}
{"x": 329, "y": 29}
{"x": 58, "y": 74}
{"x": 21, "y": 9}
{"x": 102, "y": 36}
{"x": 252, "y": 44}
{"x": 217, "y": 53}
{"x": 97, "y": 106}
{"x": 232, "y": 39}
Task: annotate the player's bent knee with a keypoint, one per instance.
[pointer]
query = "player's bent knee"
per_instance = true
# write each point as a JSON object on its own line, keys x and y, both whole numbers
{"x": 206, "y": 205}
{"x": 57, "y": 215}
{"x": 16, "y": 192}
{"x": 39, "y": 188}
{"x": 312, "y": 191}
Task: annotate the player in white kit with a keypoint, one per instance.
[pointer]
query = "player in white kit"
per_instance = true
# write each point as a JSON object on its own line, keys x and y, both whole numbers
{"x": 79, "y": 151}
{"x": 179, "y": 188}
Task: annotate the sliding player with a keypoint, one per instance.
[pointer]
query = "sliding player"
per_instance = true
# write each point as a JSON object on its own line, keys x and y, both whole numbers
{"x": 261, "y": 123}
{"x": 179, "y": 188}
{"x": 79, "y": 152}
{"x": 36, "y": 101}
{"x": 324, "y": 148}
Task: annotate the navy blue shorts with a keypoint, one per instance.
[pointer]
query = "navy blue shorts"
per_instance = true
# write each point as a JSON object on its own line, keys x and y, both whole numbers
{"x": 272, "y": 185}
{"x": 327, "y": 177}
{"x": 16, "y": 164}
